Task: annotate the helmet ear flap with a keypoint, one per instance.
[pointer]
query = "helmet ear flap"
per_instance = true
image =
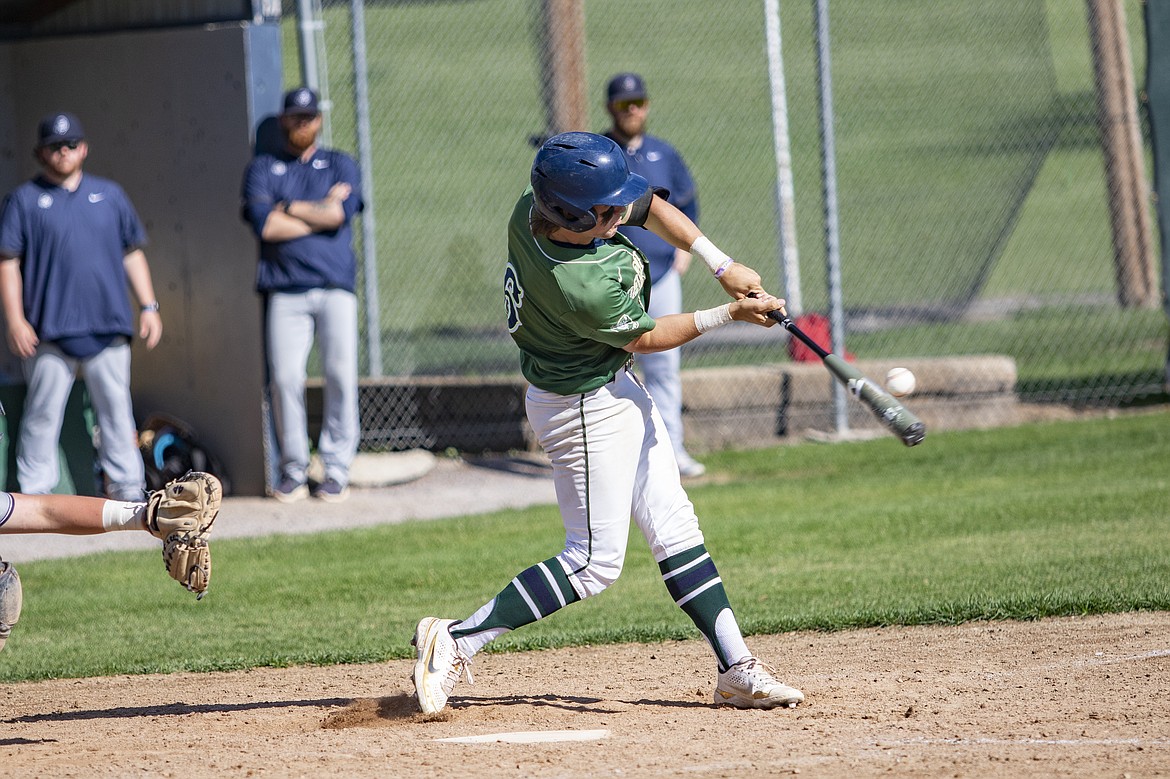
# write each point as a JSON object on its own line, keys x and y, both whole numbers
{"x": 547, "y": 185}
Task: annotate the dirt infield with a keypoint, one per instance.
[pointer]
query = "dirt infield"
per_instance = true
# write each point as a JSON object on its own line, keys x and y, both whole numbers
{"x": 1063, "y": 697}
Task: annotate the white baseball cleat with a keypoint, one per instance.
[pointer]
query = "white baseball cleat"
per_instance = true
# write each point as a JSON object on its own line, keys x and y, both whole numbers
{"x": 750, "y": 684}
{"x": 438, "y": 664}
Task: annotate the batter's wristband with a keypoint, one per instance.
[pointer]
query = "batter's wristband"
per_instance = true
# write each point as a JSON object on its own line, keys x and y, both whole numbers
{"x": 710, "y": 318}
{"x": 716, "y": 260}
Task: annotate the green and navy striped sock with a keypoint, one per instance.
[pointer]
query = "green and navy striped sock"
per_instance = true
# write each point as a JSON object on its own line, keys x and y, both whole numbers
{"x": 534, "y": 594}
{"x": 695, "y": 586}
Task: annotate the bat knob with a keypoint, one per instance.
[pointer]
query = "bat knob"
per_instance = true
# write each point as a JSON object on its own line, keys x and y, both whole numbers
{"x": 913, "y": 435}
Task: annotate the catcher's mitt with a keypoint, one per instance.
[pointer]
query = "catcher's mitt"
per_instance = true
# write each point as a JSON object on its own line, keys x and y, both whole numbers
{"x": 181, "y": 514}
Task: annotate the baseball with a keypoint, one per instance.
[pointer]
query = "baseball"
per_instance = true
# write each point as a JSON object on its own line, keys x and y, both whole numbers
{"x": 900, "y": 381}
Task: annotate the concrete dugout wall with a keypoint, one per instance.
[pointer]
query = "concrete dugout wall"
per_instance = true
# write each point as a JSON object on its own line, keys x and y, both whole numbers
{"x": 171, "y": 115}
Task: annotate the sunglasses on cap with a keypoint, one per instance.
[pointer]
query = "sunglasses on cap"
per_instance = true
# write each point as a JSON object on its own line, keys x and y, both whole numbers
{"x": 56, "y": 147}
{"x": 625, "y": 105}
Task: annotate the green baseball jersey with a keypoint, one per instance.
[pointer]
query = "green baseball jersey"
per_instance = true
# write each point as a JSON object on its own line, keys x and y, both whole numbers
{"x": 572, "y": 308}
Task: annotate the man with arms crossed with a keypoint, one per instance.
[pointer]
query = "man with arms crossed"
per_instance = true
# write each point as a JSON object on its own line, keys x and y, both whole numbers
{"x": 300, "y": 203}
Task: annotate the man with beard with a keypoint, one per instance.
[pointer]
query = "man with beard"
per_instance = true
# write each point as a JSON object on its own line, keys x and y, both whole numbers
{"x": 300, "y": 203}
{"x": 655, "y": 160}
{"x": 70, "y": 247}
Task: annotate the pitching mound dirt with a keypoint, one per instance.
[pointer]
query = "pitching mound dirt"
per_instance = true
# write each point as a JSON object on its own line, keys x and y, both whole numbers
{"x": 1062, "y": 697}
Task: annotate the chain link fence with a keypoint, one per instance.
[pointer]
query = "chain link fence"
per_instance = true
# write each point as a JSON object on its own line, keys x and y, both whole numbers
{"x": 974, "y": 206}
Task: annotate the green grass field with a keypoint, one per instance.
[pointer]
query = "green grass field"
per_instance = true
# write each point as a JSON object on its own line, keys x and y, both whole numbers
{"x": 1044, "y": 519}
{"x": 966, "y": 133}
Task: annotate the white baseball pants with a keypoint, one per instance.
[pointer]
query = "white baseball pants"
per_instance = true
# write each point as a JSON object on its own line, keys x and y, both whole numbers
{"x": 612, "y": 460}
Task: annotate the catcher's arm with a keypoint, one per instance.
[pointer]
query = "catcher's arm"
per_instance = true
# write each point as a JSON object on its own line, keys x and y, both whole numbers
{"x": 181, "y": 515}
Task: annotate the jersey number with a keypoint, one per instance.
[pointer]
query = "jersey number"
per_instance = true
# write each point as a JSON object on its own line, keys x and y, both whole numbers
{"x": 513, "y": 297}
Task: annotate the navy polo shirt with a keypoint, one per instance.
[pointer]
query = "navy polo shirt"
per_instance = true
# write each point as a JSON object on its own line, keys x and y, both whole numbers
{"x": 660, "y": 163}
{"x": 320, "y": 260}
{"x": 72, "y": 246}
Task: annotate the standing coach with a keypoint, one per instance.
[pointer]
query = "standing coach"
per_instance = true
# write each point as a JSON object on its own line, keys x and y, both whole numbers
{"x": 300, "y": 203}
{"x": 659, "y": 163}
{"x": 70, "y": 242}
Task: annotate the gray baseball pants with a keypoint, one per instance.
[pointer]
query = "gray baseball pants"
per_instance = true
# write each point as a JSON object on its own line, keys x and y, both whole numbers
{"x": 660, "y": 371}
{"x": 50, "y": 374}
{"x": 293, "y": 320}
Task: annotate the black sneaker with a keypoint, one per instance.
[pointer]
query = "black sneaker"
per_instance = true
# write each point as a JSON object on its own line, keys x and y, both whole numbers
{"x": 331, "y": 491}
{"x": 290, "y": 490}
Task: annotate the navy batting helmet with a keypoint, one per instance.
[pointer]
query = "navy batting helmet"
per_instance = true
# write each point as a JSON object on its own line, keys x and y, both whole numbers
{"x": 575, "y": 171}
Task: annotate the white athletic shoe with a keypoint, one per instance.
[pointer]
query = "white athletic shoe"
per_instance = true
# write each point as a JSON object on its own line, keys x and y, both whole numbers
{"x": 750, "y": 684}
{"x": 438, "y": 664}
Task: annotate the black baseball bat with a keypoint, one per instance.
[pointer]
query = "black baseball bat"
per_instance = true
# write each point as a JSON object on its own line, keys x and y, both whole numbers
{"x": 891, "y": 413}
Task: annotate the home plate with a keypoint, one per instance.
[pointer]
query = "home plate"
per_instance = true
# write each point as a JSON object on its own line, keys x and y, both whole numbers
{"x": 530, "y": 737}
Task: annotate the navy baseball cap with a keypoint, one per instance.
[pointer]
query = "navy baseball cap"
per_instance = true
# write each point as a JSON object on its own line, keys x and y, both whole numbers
{"x": 61, "y": 127}
{"x": 625, "y": 86}
{"x": 300, "y": 101}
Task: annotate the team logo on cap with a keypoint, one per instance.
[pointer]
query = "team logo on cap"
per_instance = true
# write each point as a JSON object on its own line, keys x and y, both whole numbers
{"x": 629, "y": 83}
{"x": 302, "y": 97}
{"x": 45, "y": 201}
{"x": 61, "y": 124}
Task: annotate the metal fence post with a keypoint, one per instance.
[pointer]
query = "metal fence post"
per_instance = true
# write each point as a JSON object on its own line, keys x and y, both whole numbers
{"x": 829, "y": 175}
{"x": 785, "y": 191}
{"x": 361, "y": 107}
{"x": 310, "y": 31}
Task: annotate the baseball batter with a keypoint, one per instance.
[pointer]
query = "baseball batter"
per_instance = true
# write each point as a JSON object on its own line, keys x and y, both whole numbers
{"x": 576, "y": 293}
